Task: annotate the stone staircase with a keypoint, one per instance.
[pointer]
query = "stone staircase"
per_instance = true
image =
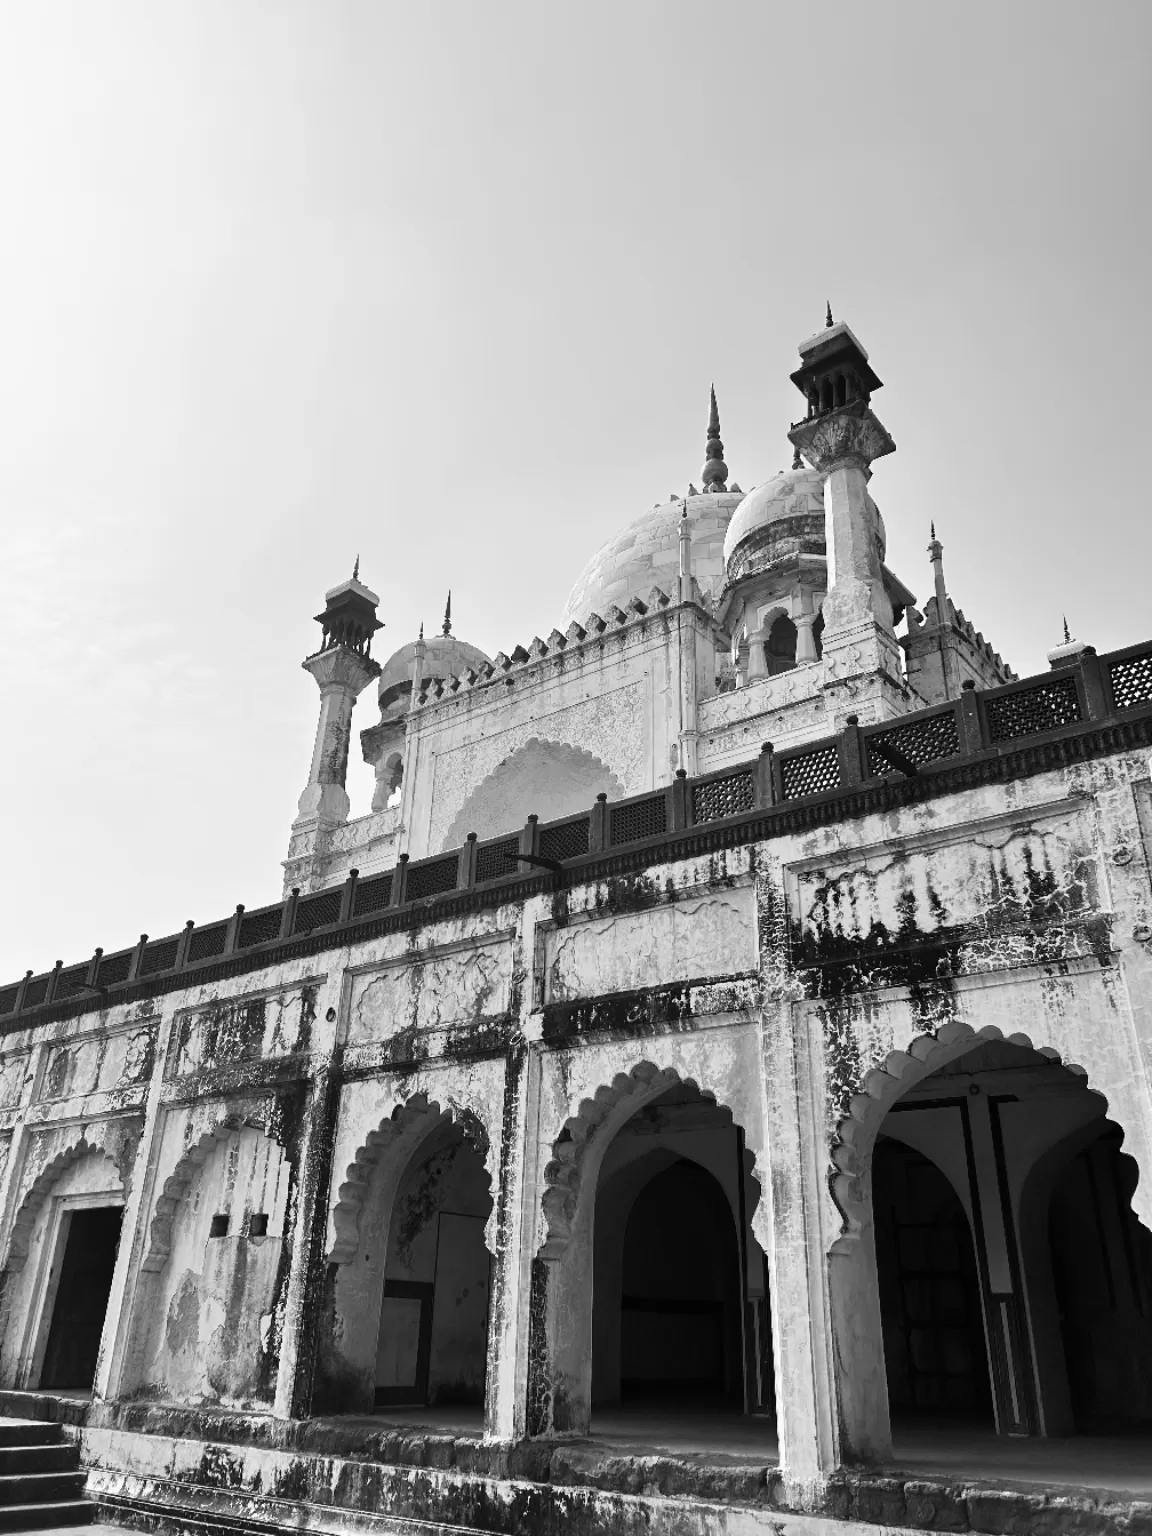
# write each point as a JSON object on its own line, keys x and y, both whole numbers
{"x": 41, "y": 1484}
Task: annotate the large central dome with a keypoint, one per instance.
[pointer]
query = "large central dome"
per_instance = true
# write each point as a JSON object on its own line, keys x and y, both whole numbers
{"x": 646, "y": 554}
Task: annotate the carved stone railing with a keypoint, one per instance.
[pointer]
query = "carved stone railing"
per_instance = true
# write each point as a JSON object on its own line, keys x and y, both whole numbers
{"x": 980, "y": 724}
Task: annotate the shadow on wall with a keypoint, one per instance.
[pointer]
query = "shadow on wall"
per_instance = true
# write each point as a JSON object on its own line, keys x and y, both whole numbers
{"x": 545, "y": 778}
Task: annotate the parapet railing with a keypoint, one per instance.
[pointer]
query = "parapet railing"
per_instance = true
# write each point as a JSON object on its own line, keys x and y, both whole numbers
{"x": 1091, "y": 688}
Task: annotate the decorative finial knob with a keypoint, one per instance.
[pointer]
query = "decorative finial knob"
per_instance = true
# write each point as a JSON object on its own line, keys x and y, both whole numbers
{"x": 828, "y": 321}
{"x": 797, "y": 461}
{"x": 356, "y": 569}
{"x": 421, "y": 629}
{"x": 448, "y": 614}
{"x": 1067, "y": 636}
{"x": 714, "y": 475}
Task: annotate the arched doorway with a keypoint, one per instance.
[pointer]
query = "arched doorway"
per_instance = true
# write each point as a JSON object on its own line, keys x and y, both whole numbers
{"x": 1014, "y": 1280}
{"x": 680, "y": 1328}
{"x": 659, "y": 1285}
{"x": 930, "y": 1300}
{"x": 431, "y": 1348}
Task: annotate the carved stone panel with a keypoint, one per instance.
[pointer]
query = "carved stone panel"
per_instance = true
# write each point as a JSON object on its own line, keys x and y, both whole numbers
{"x": 246, "y": 1028}
{"x": 96, "y": 1063}
{"x": 980, "y": 889}
{"x": 701, "y": 936}
{"x": 431, "y": 991}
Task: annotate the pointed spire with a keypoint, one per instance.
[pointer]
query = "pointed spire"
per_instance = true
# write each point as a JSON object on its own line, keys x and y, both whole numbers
{"x": 1067, "y": 636}
{"x": 828, "y": 321}
{"x": 936, "y": 556}
{"x": 714, "y": 475}
{"x": 356, "y": 569}
{"x": 448, "y": 614}
{"x": 421, "y": 629}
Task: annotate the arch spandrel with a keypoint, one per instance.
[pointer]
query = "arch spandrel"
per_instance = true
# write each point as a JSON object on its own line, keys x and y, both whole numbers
{"x": 41, "y": 1189}
{"x": 575, "y": 1153}
{"x": 386, "y": 1150}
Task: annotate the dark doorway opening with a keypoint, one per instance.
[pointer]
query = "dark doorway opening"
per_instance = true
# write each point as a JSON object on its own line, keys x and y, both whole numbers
{"x": 680, "y": 1332}
{"x": 1102, "y": 1272}
{"x": 934, "y": 1346}
{"x": 82, "y": 1297}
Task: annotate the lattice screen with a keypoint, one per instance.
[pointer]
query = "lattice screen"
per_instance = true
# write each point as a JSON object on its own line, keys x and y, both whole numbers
{"x": 431, "y": 879}
{"x": 567, "y": 841}
{"x": 160, "y": 956}
{"x": 1052, "y": 703}
{"x": 723, "y": 797}
{"x": 372, "y": 895}
{"x": 646, "y": 818}
{"x": 491, "y": 863}
{"x": 1132, "y": 681}
{"x": 259, "y": 927}
{"x": 810, "y": 773}
{"x": 920, "y": 741}
{"x": 207, "y": 942}
{"x": 317, "y": 911}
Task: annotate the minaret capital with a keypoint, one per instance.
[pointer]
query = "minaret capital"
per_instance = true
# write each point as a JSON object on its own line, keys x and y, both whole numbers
{"x": 849, "y": 436}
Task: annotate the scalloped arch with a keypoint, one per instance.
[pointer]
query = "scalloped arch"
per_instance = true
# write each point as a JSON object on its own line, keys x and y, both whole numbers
{"x": 36, "y": 1196}
{"x": 597, "y": 770}
{"x": 178, "y": 1183}
{"x": 397, "y": 1135}
{"x": 883, "y": 1085}
{"x": 598, "y": 1119}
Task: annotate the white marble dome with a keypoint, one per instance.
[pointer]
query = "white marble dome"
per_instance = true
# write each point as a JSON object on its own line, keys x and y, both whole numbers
{"x": 646, "y": 554}
{"x": 791, "y": 493}
{"x": 444, "y": 656}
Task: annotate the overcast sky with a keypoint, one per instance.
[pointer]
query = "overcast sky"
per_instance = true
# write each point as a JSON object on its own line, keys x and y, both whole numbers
{"x": 446, "y": 284}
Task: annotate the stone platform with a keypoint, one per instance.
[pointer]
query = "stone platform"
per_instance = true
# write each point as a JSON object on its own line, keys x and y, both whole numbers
{"x": 642, "y": 1472}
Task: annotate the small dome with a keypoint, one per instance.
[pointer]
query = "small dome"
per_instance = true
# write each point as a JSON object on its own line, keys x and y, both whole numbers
{"x": 646, "y": 554}
{"x": 445, "y": 656}
{"x": 789, "y": 494}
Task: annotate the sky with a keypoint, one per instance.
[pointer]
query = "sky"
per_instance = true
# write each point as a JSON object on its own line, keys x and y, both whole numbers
{"x": 445, "y": 286}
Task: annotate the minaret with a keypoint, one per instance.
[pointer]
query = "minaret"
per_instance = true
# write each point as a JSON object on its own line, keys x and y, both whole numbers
{"x": 936, "y": 555}
{"x": 343, "y": 668}
{"x": 714, "y": 475}
{"x": 840, "y": 437}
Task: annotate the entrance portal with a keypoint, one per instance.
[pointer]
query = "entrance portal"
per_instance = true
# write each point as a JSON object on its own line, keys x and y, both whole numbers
{"x": 432, "y": 1344}
{"x": 680, "y": 1333}
{"x": 929, "y": 1290}
{"x": 82, "y": 1291}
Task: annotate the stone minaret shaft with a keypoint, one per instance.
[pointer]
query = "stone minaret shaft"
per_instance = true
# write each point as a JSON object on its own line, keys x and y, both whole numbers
{"x": 343, "y": 668}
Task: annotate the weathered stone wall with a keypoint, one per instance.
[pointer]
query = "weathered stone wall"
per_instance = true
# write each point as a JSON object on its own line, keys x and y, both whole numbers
{"x": 801, "y": 983}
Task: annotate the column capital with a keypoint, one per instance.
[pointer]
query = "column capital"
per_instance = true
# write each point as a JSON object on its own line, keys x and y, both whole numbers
{"x": 340, "y": 668}
{"x": 849, "y": 437}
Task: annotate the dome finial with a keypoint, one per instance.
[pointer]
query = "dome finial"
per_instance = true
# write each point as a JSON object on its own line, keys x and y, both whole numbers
{"x": 797, "y": 461}
{"x": 1067, "y": 636}
{"x": 828, "y": 321}
{"x": 448, "y": 614}
{"x": 714, "y": 475}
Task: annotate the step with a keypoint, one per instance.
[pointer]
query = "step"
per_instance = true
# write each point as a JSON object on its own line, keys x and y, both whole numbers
{"x": 15, "y": 1459}
{"x": 29, "y": 1432}
{"x": 41, "y": 1488}
{"x": 41, "y": 1517}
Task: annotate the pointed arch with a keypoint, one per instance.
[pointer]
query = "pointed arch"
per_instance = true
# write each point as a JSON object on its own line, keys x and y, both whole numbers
{"x": 883, "y": 1085}
{"x": 541, "y": 776}
{"x": 33, "y": 1201}
{"x": 393, "y": 1142}
{"x": 176, "y": 1186}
